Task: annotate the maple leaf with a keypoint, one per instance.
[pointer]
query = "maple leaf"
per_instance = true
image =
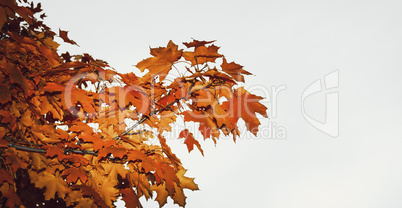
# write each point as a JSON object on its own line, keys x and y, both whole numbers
{"x": 115, "y": 151}
{"x": 108, "y": 191}
{"x": 190, "y": 141}
{"x": 202, "y": 54}
{"x": 136, "y": 155}
{"x": 207, "y": 125}
{"x": 5, "y": 94}
{"x": 113, "y": 170}
{"x": 5, "y": 177}
{"x": 14, "y": 161}
{"x": 66, "y": 116}
{"x": 197, "y": 43}
{"x": 245, "y": 105}
{"x": 73, "y": 174}
{"x": 63, "y": 35}
{"x": 129, "y": 197}
{"x": 88, "y": 191}
{"x": 52, "y": 182}
{"x": 162, "y": 193}
{"x": 234, "y": 70}
{"x": 12, "y": 199}
{"x": 186, "y": 182}
{"x": 166, "y": 149}
{"x": 162, "y": 62}
{"x": 178, "y": 196}
{"x": 52, "y": 151}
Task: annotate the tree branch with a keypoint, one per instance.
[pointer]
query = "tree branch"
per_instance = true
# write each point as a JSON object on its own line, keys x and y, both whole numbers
{"x": 39, "y": 150}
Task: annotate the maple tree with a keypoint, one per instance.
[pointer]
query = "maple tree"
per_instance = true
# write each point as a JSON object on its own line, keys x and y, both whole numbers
{"x": 65, "y": 138}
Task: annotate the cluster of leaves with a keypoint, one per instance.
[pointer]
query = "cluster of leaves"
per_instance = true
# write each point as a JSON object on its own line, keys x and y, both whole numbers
{"x": 64, "y": 137}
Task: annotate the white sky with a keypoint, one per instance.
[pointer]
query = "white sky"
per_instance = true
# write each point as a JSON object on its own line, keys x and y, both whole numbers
{"x": 284, "y": 43}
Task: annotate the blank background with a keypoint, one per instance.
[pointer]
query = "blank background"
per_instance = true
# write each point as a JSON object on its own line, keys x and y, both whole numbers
{"x": 283, "y": 43}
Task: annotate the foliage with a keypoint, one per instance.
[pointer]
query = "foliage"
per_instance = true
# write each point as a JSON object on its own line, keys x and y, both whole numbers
{"x": 64, "y": 133}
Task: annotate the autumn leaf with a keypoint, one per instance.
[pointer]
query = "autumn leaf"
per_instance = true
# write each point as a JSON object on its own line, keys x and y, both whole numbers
{"x": 162, "y": 194}
{"x": 190, "y": 141}
{"x": 73, "y": 174}
{"x": 115, "y": 151}
{"x": 5, "y": 94}
{"x": 129, "y": 197}
{"x": 88, "y": 191}
{"x": 53, "y": 183}
{"x": 245, "y": 105}
{"x": 52, "y": 151}
{"x": 162, "y": 62}
{"x": 12, "y": 199}
{"x": 83, "y": 133}
{"x": 234, "y": 70}
{"x": 197, "y": 43}
{"x": 63, "y": 35}
{"x": 186, "y": 182}
{"x": 5, "y": 177}
{"x": 202, "y": 54}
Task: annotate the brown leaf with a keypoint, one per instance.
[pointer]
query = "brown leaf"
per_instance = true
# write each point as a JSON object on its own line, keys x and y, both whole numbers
{"x": 5, "y": 94}
{"x": 130, "y": 198}
{"x": 63, "y": 35}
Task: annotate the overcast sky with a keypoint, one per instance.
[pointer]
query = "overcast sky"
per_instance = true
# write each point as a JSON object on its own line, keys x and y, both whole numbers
{"x": 288, "y": 46}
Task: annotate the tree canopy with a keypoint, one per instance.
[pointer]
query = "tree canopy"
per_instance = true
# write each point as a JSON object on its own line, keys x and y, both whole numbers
{"x": 74, "y": 132}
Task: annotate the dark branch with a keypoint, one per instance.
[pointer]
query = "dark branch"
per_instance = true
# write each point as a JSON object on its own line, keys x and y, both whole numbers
{"x": 39, "y": 150}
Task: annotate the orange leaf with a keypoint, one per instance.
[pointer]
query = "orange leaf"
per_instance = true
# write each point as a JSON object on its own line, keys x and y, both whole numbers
{"x": 5, "y": 176}
{"x": 162, "y": 62}
{"x": 162, "y": 193}
{"x": 207, "y": 125}
{"x": 196, "y": 43}
{"x": 116, "y": 152}
{"x": 53, "y": 183}
{"x": 73, "y": 174}
{"x": 190, "y": 141}
{"x": 52, "y": 151}
{"x": 234, "y": 70}
{"x": 245, "y": 105}
{"x": 202, "y": 54}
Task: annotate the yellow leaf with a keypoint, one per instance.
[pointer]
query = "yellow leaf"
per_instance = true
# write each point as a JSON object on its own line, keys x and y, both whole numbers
{"x": 53, "y": 183}
{"x": 186, "y": 182}
{"x": 162, "y": 193}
